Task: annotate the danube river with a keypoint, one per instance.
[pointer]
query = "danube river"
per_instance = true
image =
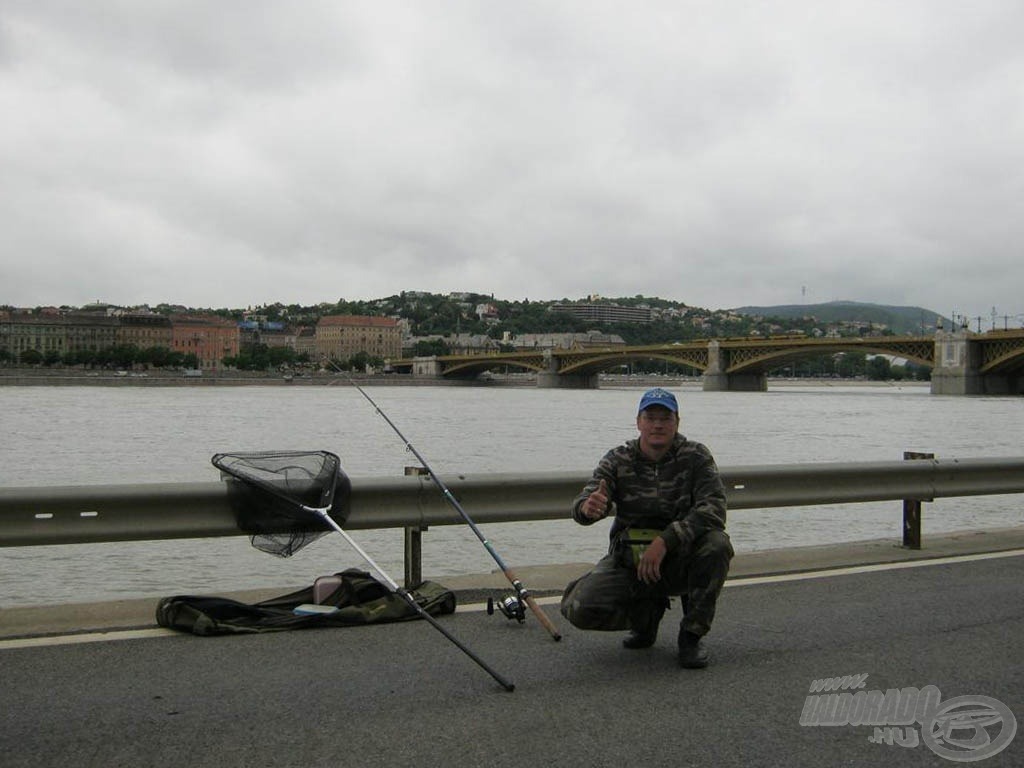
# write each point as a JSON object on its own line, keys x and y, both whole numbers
{"x": 84, "y": 435}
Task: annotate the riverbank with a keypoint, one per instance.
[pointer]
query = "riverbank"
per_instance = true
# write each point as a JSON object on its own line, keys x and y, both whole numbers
{"x": 14, "y": 377}
{"x": 21, "y": 378}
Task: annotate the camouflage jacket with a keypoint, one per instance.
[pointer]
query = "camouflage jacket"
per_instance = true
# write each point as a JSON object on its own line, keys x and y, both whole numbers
{"x": 681, "y": 493}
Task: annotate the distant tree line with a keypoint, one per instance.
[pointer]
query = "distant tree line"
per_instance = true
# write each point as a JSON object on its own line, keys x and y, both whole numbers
{"x": 260, "y": 357}
{"x": 853, "y": 365}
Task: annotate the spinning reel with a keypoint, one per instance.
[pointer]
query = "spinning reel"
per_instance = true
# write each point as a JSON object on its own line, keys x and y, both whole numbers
{"x": 510, "y": 606}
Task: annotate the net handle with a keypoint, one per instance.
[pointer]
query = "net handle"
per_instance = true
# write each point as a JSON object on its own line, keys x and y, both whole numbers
{"x": 505, "y": 683}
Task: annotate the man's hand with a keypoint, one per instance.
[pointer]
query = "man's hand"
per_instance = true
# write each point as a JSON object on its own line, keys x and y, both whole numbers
{"x": 648, "y": 570}
{"x": 596, "y": 505}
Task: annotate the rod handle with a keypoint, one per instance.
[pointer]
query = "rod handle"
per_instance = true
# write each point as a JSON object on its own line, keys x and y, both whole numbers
{"x": 543, "y": 618}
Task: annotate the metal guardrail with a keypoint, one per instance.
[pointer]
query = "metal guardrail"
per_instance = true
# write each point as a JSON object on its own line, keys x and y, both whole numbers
{"x": 103, "y": 513}
{"x": 85, "y": 514}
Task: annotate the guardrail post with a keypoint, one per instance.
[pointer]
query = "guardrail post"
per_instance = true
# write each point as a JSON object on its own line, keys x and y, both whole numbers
{"x": 912, "y": 509}
{"x": 413, "y": 556}
{"x": 414, "y": 544}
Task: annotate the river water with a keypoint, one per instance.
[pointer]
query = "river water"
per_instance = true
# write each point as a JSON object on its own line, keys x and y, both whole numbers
{"x": 86, "y": 435}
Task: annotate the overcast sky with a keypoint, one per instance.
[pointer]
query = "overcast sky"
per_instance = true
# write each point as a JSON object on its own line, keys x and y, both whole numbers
{"x": 726, "y": 153}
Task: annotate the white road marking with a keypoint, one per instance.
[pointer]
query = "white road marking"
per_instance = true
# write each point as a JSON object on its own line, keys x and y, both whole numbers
{"x": 136, "y": 634}
{"x": 819, "y": 574}
{"x": 826, "y": 573}
{"x": 85, "y": 637}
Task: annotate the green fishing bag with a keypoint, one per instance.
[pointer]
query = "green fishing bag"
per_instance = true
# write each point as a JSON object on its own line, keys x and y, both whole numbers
{"x": 358, "y": 599}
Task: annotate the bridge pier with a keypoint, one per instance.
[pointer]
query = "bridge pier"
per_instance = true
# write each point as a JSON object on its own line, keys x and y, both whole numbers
{"x": 427, "y": 367}
{"x": 717, "y": 380}
{"x": 956, "y": 365}
{"x": 552, "y": 379}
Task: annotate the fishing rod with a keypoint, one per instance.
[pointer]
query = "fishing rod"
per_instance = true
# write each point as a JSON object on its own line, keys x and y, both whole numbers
{"x": 269, "y": 472}
{"x": 505, "y": 683}
{"x": 511, "y": 606}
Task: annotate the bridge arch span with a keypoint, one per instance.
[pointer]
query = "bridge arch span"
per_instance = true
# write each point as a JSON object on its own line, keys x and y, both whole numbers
{"x": 469, "y": 369}
{"x": 762, "y": 360}
{"x": 1002, "y": 353}
{"x": 597, "y": 362}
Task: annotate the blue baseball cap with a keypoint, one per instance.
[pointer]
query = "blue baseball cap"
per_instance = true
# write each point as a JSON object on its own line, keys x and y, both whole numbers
{"x": 659, "y": 396}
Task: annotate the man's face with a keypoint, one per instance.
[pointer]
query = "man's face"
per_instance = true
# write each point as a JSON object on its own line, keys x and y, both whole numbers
{"x": 657, "y": 426}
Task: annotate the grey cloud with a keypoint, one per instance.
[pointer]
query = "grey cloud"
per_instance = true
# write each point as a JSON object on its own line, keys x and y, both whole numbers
{"x": 718, "y": 154}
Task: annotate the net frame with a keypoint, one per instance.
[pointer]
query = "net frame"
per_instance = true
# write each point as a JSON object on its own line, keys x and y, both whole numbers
{"x": 254, "y": 475}
{"x": 284, "y": 500}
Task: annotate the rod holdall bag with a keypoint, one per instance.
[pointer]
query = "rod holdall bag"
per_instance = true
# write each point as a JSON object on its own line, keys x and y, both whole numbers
{"x": 357, "y": 599}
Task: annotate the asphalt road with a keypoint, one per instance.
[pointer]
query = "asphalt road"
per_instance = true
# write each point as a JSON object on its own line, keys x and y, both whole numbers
{"x": 403, "y": 695}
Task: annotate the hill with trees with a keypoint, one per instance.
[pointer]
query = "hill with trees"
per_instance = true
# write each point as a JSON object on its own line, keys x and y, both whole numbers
{"x": 430, "y": 314}
{"x": 908, "y": 321}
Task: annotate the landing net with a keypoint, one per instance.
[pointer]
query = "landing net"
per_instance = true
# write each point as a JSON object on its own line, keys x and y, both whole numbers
{"x": 277, "y": 496}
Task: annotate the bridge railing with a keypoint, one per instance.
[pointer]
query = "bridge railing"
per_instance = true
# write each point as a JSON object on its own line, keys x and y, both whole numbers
{"x": 31, "y": 516}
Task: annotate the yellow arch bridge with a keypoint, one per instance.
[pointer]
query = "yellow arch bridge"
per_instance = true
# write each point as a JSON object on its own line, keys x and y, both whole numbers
{"x": 963, "y": 363}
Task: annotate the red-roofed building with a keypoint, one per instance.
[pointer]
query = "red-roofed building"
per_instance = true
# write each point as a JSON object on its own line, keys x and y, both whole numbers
{"x": 209, "y": 338}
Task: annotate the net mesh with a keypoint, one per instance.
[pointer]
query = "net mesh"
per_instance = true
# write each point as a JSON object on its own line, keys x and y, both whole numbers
{"x": 276, "y": 495}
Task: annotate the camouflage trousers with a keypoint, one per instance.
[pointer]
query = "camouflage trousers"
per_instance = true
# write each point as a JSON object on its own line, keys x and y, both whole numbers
{"x": 610, "y": 597}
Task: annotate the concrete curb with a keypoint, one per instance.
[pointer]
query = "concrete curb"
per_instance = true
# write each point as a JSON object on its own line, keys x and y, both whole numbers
{"x": 541, "y": 580}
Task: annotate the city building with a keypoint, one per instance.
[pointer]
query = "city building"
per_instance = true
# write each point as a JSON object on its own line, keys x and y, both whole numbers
{"x": 283, "y": 337}
{"x": 606, "y": 313}
{"x": 208, "y": 337}
{"x": 55, "y": 334}
{"x": 305, "y": 342}
{"x": 90, "y": 332}
{"x": 339, "y": 337}
{"x": 43, "y": 333}
{"x": 588, "y": 340}
{"x": 144, "y": 331}
{"x": 457, "y": 343}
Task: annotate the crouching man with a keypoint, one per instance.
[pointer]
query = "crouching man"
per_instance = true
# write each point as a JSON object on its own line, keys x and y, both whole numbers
{"x": 667, "y": 537}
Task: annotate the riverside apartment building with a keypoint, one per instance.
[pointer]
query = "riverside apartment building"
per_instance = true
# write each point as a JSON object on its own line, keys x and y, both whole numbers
{"x": 339, "y": 337}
